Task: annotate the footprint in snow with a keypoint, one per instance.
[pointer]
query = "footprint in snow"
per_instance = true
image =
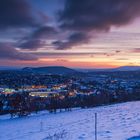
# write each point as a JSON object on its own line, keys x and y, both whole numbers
{"x": 82, "y": 137}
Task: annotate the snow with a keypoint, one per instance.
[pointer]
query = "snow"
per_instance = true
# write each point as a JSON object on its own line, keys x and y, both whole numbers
{"x": 135, "y": 138}
{"x": 115, "y": 122}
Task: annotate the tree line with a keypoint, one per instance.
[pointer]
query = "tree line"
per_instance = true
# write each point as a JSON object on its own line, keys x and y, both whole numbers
{"x": 23, "y": 104}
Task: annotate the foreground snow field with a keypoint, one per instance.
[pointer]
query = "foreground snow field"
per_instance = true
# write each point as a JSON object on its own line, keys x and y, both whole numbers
{"x": 115, "y": 122}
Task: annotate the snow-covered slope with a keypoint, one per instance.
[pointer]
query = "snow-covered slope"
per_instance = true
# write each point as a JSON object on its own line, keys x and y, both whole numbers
{"x": 115, "y": 122}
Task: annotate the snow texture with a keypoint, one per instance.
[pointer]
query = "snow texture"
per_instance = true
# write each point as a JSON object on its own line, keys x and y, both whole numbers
{"x": 115, "y": 122}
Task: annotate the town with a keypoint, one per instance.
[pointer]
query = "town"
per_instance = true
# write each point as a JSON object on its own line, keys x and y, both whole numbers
{"x": 23, "y": 92}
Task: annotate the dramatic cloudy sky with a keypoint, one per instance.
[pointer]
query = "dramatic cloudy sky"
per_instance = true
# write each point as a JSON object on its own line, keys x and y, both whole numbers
{"x": 72, "y": 33}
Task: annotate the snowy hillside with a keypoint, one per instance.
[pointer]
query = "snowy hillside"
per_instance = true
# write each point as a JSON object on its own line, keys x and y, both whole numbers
{"x": 115, "y": 122}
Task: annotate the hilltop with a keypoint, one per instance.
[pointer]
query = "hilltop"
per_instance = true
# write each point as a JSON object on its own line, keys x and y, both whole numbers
{"x": 51, "y": 70}
{"x": 115, "y": 122}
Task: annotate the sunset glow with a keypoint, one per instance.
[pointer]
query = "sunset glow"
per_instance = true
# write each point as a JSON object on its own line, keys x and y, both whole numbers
{"x": 39, "y": 40}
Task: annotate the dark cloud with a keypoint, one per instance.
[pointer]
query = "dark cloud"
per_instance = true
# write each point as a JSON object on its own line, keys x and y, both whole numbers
{"x": 73, "y": 40}
{"x": 136, "y": 50}
{"x": 32, "y": 44}
{"x": 109, "y": 54}
{"x": 98, "y": 14}
{"x": 44, "y": 32}
{"x": 18, "y": 13}
{"x": 93, "y": 16}
{"x": 66, "y": 54}
{"x": 17, "y": 16}
{"x": 62, "y": 60}
{"x": 38, "y": 38}
{"x": 117, "y": 51}
{"x": 7, "y": 51}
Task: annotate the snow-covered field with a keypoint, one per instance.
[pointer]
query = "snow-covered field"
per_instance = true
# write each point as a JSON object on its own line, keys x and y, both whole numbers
{"x": 115, "y": 122}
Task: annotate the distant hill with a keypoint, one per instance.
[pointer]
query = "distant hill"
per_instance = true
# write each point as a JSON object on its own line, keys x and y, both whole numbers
{"x": 123, "y": 68}
{"x": 51, "y": 70}
{"x": 9, "y": 68}
{"x": 128, "y": 68}
{"x": 65, "y": 70}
